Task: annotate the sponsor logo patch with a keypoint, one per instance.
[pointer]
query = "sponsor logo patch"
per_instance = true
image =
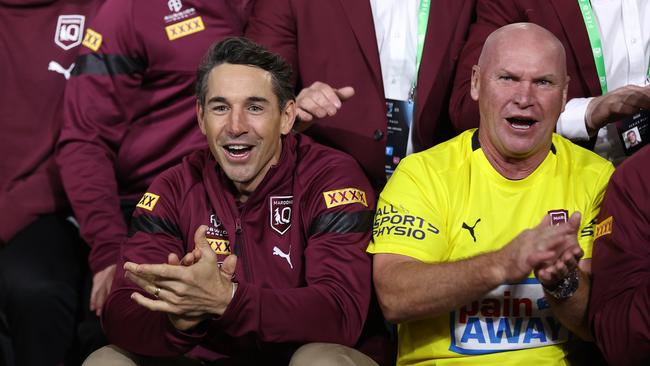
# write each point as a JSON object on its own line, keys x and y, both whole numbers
{"x": 148, "y": 201}
{"x": 345, "y": 196}
{"x": 604, "y": 227}
{"x": 220, "y": 246}
{"x": 92, "y": 40}
{"x": 280, "y": 215}
{"x": 390, "y": 221}
{"x": 559, "y": 217}
{"x": 174, "y": 17}
{"x": 184, "y": 28}
{"x": 216, "y": 228}
{"x": 69, "y": 29}
{"x": 510, "y": 317}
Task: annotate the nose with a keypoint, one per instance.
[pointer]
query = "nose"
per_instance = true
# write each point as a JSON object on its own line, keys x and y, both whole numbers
{"x": 237, "y": 124}
{"x": 524, "y": 95}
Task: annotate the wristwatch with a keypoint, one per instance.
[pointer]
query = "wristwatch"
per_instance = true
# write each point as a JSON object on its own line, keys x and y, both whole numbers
{"x": 566, "y": 287}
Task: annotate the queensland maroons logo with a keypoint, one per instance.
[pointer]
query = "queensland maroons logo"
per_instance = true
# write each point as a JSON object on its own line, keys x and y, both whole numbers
{"x": 559, "y": 217}
{"x": 280, "y": 213}
{"x": 69, "y": 31}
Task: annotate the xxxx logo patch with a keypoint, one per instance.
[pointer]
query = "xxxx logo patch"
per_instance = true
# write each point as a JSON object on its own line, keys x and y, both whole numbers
{"x": 92, "y": 40}
{"x": 220, "y": 246}
{"x": 148, "y": 201}
{"x": 345, "y": 196}
{"x": 604, "y": 228}
{"x": 184, "y": 28}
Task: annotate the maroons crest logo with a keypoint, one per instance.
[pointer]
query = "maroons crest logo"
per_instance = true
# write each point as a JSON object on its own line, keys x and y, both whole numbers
{"x": 69, "y": 31}
{"x": 559, "y": 217}
{"x": 280, "y": 215}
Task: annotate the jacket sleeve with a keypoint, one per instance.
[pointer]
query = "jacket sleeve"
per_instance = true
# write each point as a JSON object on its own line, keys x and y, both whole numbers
{"x": 154, "y": 233}
{"x": 333, "y": 304}
{"x": 272, "y": 24}
{"x": 490, "y": 15}
{"x": 97, "y": 112}
{"x": 620, "y": 296}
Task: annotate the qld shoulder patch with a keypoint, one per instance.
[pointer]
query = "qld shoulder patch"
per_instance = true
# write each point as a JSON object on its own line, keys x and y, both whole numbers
{"x": 345, "y": 196}
{"x": 92, "y": 40}
{"x": 604, "y": 228}
{"x": 148, "y": 201}
{"x": 184, "y": 28}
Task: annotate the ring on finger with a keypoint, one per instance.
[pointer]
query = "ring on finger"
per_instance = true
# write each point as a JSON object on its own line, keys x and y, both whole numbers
{"x": 156, "y": 291}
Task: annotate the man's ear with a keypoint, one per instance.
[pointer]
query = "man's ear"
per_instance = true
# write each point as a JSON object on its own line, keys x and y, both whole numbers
{"x": 475, "y": 84}
{"x": 199, "y": 116}
{"x": 288, "y": 117}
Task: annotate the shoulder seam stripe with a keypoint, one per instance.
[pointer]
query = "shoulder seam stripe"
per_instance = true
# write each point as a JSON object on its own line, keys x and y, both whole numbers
{"x": 151, "y": 224}
{"x": 342, "y": 222}
{"x": 102, "y": 64}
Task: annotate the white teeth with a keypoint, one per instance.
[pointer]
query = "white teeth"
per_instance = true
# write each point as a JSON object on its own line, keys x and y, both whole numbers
{"x": 237, "y": 147}
{"x": 520, "y": 126}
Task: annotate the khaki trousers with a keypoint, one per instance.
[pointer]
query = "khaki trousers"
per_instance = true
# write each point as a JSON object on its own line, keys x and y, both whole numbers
{"x": 312, "y": 354}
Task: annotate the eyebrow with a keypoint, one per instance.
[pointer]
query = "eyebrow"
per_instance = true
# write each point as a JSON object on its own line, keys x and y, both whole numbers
{"x": 249, "y": 99}
{"x": 549, "y": 76}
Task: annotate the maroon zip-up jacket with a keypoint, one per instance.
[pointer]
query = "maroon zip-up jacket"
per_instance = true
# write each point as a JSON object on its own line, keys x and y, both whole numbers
{"x": 619, "y": 309}
{"x": 129, "y": 108}
{"x": 300, "y": 238}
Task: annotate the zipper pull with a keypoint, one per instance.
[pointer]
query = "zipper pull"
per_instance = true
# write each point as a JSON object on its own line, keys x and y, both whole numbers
{"x": 238, "y": 232}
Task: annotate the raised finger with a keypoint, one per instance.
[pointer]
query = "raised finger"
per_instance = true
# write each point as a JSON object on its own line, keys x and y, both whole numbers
{"x": 311, "y": 106}
{"x": 172, "y": 259}
{"x": 304, "y": 115}
{"x": 159, "y": 271}
{"x": 189, "y": 259}
{"x": 332, "y": 99}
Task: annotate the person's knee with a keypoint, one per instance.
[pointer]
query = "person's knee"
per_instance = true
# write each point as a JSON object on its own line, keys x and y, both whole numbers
{"x": 109, "y": 356}
{"x": 329, "y": 354}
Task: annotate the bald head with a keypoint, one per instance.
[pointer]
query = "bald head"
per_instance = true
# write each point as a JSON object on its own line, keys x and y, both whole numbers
{"x": 518, "y": 35}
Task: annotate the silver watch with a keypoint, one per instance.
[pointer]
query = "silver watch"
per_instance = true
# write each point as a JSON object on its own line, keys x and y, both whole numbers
{"x": 566, "y": 287}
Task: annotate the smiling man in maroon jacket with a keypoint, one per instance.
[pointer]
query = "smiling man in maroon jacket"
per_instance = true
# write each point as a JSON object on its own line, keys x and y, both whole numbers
{"x": 281, "y": 224}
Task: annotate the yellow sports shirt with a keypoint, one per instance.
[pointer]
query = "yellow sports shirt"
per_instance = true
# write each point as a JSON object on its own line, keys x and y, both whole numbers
{"x": 449, "y": 203}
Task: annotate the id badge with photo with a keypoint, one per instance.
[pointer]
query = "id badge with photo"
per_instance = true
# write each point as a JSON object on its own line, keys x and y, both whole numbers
{"x": 634, "y": 131}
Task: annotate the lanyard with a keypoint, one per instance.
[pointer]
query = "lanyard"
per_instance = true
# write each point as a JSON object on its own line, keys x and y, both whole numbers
{"x": 596, "y": 44}
{"x": 423, "y": 21}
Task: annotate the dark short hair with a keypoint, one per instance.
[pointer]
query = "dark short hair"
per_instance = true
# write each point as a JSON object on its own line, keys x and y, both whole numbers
{"x": 242, "y": 51}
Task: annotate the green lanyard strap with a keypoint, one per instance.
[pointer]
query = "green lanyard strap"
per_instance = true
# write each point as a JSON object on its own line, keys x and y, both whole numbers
{"x": 596, "y": 44}
{"x": 594, "y": 40}
{"x": 423, "y": 21}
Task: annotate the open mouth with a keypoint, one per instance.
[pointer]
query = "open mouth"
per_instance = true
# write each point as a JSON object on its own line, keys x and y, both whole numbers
{"x": 521, "y": 123}
{"x": 238, "y": 151}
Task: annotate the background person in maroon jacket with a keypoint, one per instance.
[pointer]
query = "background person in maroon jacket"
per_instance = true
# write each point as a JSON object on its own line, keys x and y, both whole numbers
{"x": 281, "y": 225}
{"x": 620, "y": 295}
{"x": 129, "y": 112}
{"x": 42, "y": 258}
{"x": 355, "y": 59}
